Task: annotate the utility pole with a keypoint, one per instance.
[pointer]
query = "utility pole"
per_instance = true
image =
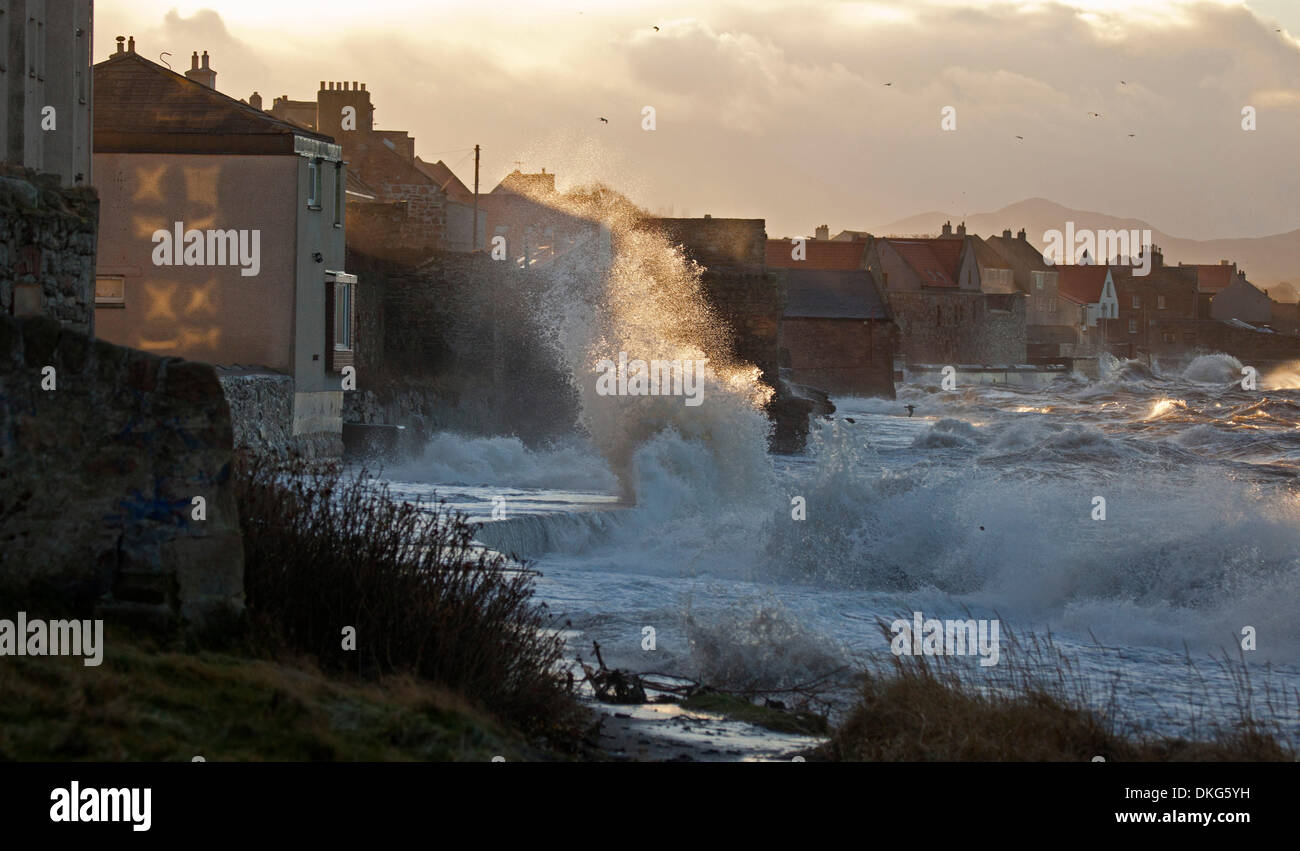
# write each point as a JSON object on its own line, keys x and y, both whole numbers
{"x": 475, "y": 238}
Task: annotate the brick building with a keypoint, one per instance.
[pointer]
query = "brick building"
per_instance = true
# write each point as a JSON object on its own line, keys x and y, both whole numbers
{"x": 437, "y": 209}
{"x": 837, "y": 332}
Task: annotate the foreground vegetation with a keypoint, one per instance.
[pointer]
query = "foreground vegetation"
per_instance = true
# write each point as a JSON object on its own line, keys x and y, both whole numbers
{"x": 930, "y": 710}
{"x": 328, "y": 553}
{"x": 147, "y": 702}
{"x": 373, "y": 630}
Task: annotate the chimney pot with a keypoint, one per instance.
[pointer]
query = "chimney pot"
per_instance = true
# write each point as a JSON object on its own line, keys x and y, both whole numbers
{"x": 363, "y": 87}
{"x": 121, "y": 44}
{"x": 205, "y": 60}
{"x": 194, "y": 61}
{"x": 130, "y": 45}
{"x": 354, "y": 85}
{"x": 322, "y": 85}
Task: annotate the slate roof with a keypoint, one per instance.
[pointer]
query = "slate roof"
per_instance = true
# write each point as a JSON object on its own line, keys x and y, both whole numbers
{"x": 937, "y": 262}
{"x": 141, "y": 106}
{"x": 832, "y": 294}
{"x": 446, "y": 179}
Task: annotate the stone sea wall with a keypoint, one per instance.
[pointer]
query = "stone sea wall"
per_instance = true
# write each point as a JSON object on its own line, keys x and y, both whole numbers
{"x": 103, "y": 451}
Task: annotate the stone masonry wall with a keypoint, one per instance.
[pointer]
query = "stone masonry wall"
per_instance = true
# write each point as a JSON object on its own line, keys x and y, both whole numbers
{"x": 261, "y": 410}
{"x": 47, "y": 248}
{"x": 960, "y": 328}
{"x": 844, "y": 357}
{"x": 98, "y": 474}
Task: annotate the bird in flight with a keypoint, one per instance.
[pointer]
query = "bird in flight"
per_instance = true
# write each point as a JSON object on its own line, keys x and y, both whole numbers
{"x": 889, "y": 84}
{"x": 1021, "y": 138}
{"x": 1123, "y": 83}
{"x": 606, "y": 120}
{"x": 656, "y": 29}
{"x": 1095, "y": 114}
{"x": 1131, "y": 135}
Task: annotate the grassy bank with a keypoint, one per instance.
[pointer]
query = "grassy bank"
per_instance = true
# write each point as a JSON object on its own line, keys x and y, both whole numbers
{"x": 146, "y": 702}
{"x": 373, "y": 630}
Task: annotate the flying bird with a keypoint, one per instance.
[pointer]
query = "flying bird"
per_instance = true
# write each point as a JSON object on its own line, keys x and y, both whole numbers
{"x": 606, "y": 120}
{"x": 1095, "y": 114}
{"x": 1123, "y": 83}
{"x": 889, "y": 84}
{"x": 1021, "y": 138}
{"x": 1131, "y": 135}
{"x": 656, "y": 29}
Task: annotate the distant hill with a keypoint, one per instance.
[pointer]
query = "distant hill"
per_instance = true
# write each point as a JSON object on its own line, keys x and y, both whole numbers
{"x": 1268, "y": 260}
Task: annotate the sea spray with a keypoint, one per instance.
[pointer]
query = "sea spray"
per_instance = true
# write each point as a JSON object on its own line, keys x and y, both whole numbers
{"x": 628, "y": 290}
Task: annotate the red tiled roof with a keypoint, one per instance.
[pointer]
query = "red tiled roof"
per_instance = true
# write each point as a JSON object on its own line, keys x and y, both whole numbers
{"x": 1212, "y": 278}
{"x": 936, "y": 261}
{"x": 821, "y": 254}
{"x": 1081, "y": 283}
{"x": 136, "y": 98}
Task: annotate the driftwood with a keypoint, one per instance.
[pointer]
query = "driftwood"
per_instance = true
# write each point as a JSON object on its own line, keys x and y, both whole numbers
{"x": 613, "y": 685}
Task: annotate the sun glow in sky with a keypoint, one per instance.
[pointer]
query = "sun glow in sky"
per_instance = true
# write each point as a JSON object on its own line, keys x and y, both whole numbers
{"x": 780, "y": 110}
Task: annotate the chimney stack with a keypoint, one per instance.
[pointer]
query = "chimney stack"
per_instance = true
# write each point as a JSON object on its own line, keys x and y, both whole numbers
{"x": 947, "y": 229}
{"x": 201, "y": 74}
{"x": 255, "y": 100}
{"x": 1021, "y": 235}
{"x": 823, "y": 232}
{"x": 130, "y": 45}
{"x": 121, "y": 44}
{"x": 1006, "y": 233}
{"x": 961, "y": 229}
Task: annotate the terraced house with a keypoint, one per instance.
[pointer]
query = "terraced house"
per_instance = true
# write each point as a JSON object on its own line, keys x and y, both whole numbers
{"x": 222, "y": 237}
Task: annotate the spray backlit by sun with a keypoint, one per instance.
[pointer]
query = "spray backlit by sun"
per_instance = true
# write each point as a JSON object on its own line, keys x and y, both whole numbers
{"x": 628, "y": 289}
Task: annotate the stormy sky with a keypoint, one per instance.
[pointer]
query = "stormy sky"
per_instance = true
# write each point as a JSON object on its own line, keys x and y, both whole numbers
{"x": 780, "y": 110}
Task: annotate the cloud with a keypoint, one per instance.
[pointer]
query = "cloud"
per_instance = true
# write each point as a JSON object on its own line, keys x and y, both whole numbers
{"x": 780, "y": 109}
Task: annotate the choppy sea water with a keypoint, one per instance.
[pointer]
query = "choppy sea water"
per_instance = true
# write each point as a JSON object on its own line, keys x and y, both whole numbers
{"x": 981, "y": 504}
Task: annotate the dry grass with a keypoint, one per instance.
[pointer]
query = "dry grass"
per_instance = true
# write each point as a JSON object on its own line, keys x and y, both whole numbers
{"x": 929, "y": 709}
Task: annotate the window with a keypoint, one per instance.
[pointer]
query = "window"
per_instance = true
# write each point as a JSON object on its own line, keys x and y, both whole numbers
{"x": 1132, "y": 326}
{"x": 340, "y": 194}
{"x": 342, "y": 316}
{"x": 1168, "y": 337}
{"x": 1160, "y": 303}
{"x": 313, "y": 184}
{"x": 1038, "y": 280}
{"x": 110, "y": 291}
{"x": 340, "y": 320}
{"x": 1137, "y": 301}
